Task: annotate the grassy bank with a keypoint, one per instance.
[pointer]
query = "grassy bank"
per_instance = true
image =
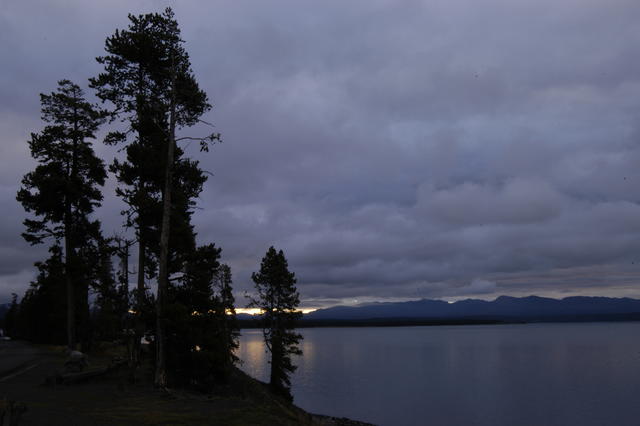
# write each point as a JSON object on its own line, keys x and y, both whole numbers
{"x": 111, "y": 399}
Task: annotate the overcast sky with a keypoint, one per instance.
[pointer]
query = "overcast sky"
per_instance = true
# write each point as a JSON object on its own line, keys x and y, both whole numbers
{"x": 393, "y": 149}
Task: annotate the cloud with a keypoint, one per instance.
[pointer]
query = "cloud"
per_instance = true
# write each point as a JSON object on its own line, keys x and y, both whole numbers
{"x": 517, "y": 201}
{"x": 480, "y": 286}
{"x": 394, "y": 150}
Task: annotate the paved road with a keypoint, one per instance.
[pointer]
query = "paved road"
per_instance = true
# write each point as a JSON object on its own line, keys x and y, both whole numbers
{"x": 16, "y": 356}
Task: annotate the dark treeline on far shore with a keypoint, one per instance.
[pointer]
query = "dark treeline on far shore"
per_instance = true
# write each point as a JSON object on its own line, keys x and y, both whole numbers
{"x": 246, "y": 323}
{"x": 81, "y": 295}
{"x": 249, "y": 323}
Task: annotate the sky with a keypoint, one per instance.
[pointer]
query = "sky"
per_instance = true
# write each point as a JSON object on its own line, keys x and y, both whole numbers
{"x": 394, "y": 149}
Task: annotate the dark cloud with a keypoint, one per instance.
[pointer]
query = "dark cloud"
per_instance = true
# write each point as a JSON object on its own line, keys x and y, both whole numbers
{"x": 394, "y": 150}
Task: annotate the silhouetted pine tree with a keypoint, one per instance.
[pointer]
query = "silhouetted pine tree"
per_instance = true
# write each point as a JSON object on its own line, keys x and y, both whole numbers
{"x": 227, "y": 330}
{"x": 127, "y": 84}
{"x": 64, "y": 188}
{"x": 148, "y": 80}
{"x": 185, "y": 103}
{"x": 278, "y": 299}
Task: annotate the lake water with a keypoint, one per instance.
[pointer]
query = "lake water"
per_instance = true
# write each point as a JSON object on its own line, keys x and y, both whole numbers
{"x": 526, "y": 374}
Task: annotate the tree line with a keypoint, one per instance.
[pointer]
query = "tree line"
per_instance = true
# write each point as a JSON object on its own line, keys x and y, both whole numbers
{"x": 148, "y": 93}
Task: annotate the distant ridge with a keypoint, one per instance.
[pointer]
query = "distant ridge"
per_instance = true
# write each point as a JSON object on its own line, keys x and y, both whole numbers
{"x": 531, "y": 308}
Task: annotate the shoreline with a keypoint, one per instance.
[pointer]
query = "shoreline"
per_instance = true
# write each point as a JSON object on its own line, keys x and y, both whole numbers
{"x": 109, "y": 398}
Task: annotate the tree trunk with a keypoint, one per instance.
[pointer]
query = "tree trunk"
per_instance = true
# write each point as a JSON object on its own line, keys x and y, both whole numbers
{"x": 140, "y": 287}
{"x": 83, "y": 324}
{"x": 140, "y": 293}
{"x": 276, "y": 352}
{"x": 163, "y": 278}
{"x": 274, "y": 379}
{"x": 71, "y": 301}
{"x": 69, "y": 248}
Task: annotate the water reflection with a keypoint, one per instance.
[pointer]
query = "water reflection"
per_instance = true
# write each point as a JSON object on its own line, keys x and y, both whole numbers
{"x": 253, "y": 354}
{"x": 551, "y": 374}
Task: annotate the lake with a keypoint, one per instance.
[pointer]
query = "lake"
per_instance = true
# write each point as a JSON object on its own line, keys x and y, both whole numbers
{"x": 522, "y": 374}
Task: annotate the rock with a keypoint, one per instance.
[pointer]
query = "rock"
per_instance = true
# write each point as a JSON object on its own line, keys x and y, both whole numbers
{"x": 76, "y": 362}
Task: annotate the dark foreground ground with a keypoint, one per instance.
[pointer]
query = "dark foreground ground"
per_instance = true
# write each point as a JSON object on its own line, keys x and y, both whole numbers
{"x": 111, "y": 400}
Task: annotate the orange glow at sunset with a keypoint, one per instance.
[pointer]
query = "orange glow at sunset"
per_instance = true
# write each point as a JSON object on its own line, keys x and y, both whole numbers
{"x": 256, "y": 311}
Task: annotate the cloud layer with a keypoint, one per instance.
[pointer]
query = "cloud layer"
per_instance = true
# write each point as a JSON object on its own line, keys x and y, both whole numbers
{"x": 393, "y": 149}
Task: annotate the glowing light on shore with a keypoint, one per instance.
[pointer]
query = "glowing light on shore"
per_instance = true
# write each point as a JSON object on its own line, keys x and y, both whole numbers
{"x": 250, "y": 311}
{"x": 256, "y": 311}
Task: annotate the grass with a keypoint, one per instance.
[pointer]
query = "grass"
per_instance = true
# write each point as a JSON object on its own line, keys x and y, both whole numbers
{"x": 111, "y": 399}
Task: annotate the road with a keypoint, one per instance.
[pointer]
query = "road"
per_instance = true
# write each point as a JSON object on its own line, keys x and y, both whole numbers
{"x": 18, "y": 357}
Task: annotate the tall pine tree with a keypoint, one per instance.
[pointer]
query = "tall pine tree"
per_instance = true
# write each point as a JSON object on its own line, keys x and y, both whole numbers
{"x": 149, "y": 81}
{"x": 127, "y": 84}
{"x": 63, "y": 190}
{"x": 185, "y": 103}
{"x": 278, "y": 298}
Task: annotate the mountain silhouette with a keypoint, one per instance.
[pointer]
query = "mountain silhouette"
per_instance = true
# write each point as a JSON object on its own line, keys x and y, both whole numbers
{"x": 503, "y": 307}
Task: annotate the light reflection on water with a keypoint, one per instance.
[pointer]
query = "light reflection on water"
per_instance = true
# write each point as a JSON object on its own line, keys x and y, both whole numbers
{"x": 525, "y": 374}
{"x": 253, "y": 355}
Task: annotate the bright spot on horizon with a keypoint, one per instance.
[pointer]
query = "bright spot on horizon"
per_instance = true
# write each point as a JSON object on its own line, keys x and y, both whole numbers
{"x": 257, "y": 311}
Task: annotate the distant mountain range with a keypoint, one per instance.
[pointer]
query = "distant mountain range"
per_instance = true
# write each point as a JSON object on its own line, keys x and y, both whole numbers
{"x": 504, "y": 308}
